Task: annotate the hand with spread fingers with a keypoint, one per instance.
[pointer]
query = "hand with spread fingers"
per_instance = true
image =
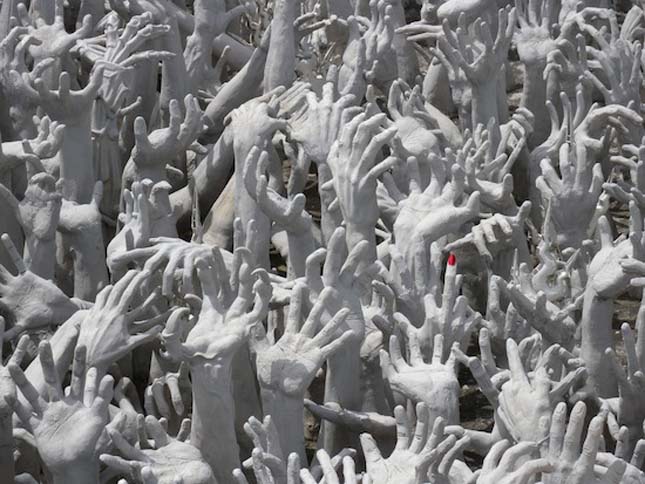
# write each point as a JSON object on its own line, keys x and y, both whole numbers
{"x": 79, "y": 414}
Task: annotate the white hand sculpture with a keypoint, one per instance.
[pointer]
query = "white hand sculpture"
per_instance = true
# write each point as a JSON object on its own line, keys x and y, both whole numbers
{"x": 81, "y": 414}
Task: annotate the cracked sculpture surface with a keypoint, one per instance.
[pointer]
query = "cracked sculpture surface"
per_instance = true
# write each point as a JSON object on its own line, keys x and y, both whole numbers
{"x": 322, "y": 241}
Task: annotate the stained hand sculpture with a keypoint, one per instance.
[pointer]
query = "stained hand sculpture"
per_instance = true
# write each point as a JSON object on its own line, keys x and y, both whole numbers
{"x": 322, "y": 242}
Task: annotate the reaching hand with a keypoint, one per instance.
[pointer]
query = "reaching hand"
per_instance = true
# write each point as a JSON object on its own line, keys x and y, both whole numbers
{"x": 79, "y": 414}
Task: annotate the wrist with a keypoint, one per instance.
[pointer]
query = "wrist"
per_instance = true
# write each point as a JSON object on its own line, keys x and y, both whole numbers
{"x": 484, "y": 102}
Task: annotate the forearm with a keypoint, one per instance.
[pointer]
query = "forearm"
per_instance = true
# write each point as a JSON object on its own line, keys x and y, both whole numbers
{"x": 244, "y": 86}
{"x": 484, "y": 103}
{"x": 281, "y": 58}
{"x": 287, "y": 414}
{"x": 300, "y": 247}
{"x": 213, "y": 421}
{"x": 342, "y": 386}
{"x": 534, "y": 99}
{"x": 6, "y": 447}
{"x": 75, "y": 160}
{"x": 597, "y": 337}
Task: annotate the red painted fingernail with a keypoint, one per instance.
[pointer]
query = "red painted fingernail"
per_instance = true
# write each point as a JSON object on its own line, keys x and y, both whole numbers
{"x": 452, "y": 260}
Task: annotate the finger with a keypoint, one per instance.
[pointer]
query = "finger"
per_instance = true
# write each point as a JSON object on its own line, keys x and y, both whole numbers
{"x": 37, "y": 403}
{"x": 13, "y": 254}
{"x": 52, "y": 381}
{"x": 78, "y": 373}
{"x": 515, "y": 363}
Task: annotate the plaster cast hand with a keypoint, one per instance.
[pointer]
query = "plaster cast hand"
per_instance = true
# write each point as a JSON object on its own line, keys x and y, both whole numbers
{"x": 268, "y": 450}
{"x": 77, "y": 219}
{"x": 570, "y": 462}
{"x": 555, "y": 324}
{"x": 147, "y": 214}
{"x": 120, "y": 50}
{"x": 553, "y": 273}
{"x": 30, "y": 152}
{"x": 112, "y": 328}
{"x": 566, "y": 64}
{"x": 413, "y": 122}
{"x": 164, "y": 460}
{"x": 370, "y": 50}
{"x": 608, "y": 274}
{"x": 577, "y": 188}
{"x": 355, "y": 168}
{"x": 153, "y": 151}
{"x": 316, "y": 126}
{"x": 460, "y": 87}
{"x": 631, "y": 384}
{"x": 63, "y": 104}
{"x": 344, "y": 275}
{"x": 170, "y": 255}
{"x": 611, "y": 466}
{"x": 493, "y": 235}
{"x": 479, "y": 56}
{"x": 13, "y": 155}
{"x": 632, "y": 158}
{"x": 429, "y": 213}
{"x": 120, "y": 53}
{"x": 488, "y": 375}
{"x": 510, "y": 464}
{"x": 352, "y": 73}
{"x": 427, "y": 452}
{"x": 534, "y": 38}
{"x": 446, "y": 313}
{"x": 523, "y": 401}
{"x": 433, "y": 383}
{"x": 488, "y": 167}
{"x": 288, "y": 213}
{"x": 289, "y": 365}
{"x": 80, "y": 414}
{"x": 212, "y": 18}
{"x": 30, "y": 302}
{"x": 591, "y": 129}
{"x": 226, "y": 318}
{"x": 169, "y": 392}
{"x": 619, "y": 62}
{"x": 329, "y": 467}
{"x": 38, "y": 213}
{"x": 16, "y": 76}
{"x": 255, "y": 121}
{"x": 502, "y": 323}
{"x": 52, "y": 39}
{"x": 268, "y": 470}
